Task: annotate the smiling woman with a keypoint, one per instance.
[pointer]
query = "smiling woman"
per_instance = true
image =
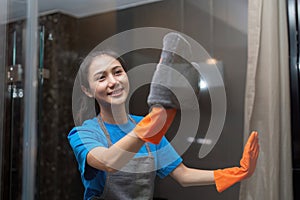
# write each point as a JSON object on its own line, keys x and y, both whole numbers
{"x": 114, "y": 142}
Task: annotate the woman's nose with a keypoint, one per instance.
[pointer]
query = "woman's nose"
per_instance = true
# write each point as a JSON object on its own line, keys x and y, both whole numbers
{"x": 112, "y": 80}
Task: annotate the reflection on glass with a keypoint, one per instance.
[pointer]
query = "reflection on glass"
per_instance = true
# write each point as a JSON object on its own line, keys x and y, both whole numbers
{"x": 70, "y": 30}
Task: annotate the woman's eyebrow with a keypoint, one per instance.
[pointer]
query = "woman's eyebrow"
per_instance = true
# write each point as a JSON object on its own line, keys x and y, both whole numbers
{"x": 98, "y": 72}
{"x": 117, "y": 66}
{"x": 102, "y": 71}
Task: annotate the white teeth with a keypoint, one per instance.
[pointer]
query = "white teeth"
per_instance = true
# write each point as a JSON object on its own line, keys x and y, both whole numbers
{"x": 118, "y": 91}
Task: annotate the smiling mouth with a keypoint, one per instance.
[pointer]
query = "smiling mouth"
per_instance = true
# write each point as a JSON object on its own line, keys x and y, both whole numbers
{"x": 116, "y": 92}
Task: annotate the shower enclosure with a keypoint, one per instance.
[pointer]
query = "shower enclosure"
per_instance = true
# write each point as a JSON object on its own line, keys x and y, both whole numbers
{"x": 42, "y": 45}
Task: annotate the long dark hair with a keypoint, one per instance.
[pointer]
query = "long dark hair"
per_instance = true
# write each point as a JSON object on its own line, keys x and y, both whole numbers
{"x": 85, "y": 107}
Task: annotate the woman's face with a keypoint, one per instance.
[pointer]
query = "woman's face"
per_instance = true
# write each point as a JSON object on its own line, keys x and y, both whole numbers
{"x": 108, "y": 81}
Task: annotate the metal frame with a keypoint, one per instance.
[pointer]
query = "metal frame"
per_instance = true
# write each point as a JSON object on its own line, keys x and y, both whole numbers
{"x": 3, "y": 20}
{"x": 293, "y": 15}
{"x": 30, "y": 102}
{"x": 294, "y": 38}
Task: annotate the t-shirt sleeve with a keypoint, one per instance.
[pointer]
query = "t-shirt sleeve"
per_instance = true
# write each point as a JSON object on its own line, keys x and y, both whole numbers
{"x": 83, "y": 140}
{"x": 167, "y": 158}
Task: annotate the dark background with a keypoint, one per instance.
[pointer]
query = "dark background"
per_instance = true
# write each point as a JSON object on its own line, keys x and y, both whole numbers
{"x": 73, "y": 38}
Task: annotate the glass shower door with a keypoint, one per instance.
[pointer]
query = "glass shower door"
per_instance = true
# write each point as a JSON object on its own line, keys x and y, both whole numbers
{"x": 36, "y": 160}
{"x": 14, "y": 110}
{"x": 18, "y": 21}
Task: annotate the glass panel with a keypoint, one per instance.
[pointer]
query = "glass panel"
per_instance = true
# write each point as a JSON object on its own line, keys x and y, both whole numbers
{"x": 12, "y": 102}
{"x": 37, "y": 104}
{"x": 293, "y": 25}
{"x": 3, "y": 19}
{"x": 18, "y": 97}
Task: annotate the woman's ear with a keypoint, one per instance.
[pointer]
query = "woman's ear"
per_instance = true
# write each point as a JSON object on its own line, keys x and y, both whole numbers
{"x": 86, "y": 92}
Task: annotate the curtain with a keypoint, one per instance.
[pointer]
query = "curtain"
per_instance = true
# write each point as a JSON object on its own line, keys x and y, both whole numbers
{"x": 267, "y": 101}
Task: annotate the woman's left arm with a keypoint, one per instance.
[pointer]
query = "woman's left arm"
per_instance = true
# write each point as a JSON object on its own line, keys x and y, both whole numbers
{"x": 186, "y": 176}
{"x": 223, "y": 178}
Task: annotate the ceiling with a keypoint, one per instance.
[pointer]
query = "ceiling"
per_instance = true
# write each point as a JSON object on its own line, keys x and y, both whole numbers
{"x": 76, "y": 8}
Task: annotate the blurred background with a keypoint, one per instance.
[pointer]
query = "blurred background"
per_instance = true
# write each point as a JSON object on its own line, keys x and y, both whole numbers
{"x": 68, "y": 30}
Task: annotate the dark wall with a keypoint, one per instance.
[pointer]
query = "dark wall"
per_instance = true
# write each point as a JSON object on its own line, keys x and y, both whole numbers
{"x": 58, "y": 177}
{"x": 94, "y": 29}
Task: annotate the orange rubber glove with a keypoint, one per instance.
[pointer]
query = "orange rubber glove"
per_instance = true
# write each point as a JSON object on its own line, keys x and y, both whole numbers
{"x": 155, "y": 125}
{"x": 224, "y": 178}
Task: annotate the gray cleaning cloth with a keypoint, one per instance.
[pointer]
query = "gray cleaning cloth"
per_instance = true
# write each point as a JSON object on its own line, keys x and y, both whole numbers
{"x": 175, "y": 80}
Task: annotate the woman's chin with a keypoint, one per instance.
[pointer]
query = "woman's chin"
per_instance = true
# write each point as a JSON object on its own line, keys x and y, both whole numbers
{"x": 117, "y": 101}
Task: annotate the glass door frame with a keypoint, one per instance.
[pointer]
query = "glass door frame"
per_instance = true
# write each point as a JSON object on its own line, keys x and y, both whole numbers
{"x": 30, "y": 93}
{"x": 30, "y": 102}
{"x": 293, "y": 11}
{"x": 3, "y": 20}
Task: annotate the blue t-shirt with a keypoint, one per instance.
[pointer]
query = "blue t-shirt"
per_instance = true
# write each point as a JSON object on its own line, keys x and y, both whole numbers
{"x": 88, "y": 136}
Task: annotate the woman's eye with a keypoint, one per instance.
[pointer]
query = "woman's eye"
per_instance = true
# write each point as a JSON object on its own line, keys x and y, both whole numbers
{"x": 118, "y": 72}
{"x": 100, "y": 78}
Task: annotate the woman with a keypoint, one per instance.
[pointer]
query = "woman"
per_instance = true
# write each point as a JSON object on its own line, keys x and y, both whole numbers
{"x": 118, "y": 154}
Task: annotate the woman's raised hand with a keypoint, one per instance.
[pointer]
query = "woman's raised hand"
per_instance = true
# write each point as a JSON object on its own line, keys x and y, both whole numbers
{"x": 224, "y": 178}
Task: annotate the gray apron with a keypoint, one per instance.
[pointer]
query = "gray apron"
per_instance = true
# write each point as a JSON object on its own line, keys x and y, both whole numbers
{"x": 125, "y": 184}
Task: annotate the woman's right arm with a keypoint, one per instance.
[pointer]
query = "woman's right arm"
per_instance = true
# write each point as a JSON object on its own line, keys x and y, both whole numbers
{"x": 150, "y": 129}
{"x": 115, "y": 157}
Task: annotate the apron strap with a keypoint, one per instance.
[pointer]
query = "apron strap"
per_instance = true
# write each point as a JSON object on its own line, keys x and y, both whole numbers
{"x": 102, "y": 126}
